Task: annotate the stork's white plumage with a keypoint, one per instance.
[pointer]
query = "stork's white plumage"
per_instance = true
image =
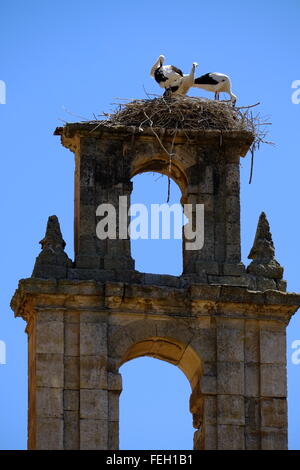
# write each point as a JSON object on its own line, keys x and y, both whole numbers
{"x": 168, "y": 77}
{"x": 187, "y": 82}
{"x": 217, "y": 83}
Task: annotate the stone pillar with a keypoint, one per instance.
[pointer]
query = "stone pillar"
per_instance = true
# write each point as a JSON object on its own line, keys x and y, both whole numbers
{"x": 94, "y": 404}
{"x": 102, "y": 176}
{"x": 230, "y": 384}
{"x": 46, "y": 380}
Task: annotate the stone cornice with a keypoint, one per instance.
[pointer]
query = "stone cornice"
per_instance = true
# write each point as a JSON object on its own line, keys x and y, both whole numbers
{"x": 193, "y": 301}
{"x": 72, "y": 132}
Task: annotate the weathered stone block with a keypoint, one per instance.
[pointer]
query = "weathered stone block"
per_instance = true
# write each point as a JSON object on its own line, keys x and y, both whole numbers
{"x": 50, "y": 314}
{"x": 204, "y": 343}
{"x": 209, "y": 384}
{"x": 50, "y": 370}
{"x": 93, "y": 434}
{"x": 93, "y": 316}
{"x": 206, "y": 184}
{"x": 230, "y": 378}
{"x": 273, "y": 380}
{"x": 72, "y": 317}
{"x": 114, "y": 381}
{"x": 237, "y": 269}
{"x": 71, "y": 400}
{"x": 264, "y": 284}
{"x": 252, "y": 438}
{"x": 232, "y": 176}
{"x": 49, "y": 433}
{"x": 252, "y": 380}
{"x": 230, "y": 409}
{"x": 231, "y": 437}
{"x": 94, "y": 404}
{"x": 252, "y": 412}
{"x": 167, "y": 329}
{"x": 93, "y": 339}
{"x": 273, "y": 439}
{"x": 113, "y": 405}
{"x": 49, "y": 402}
{"x": 210, "y": 437}
{"x": 113, "y": 435}
{"x": 71, "y": 430}
{"x": 72, "y": 339}
{"x": 272, "y": 344}
{"x": 233, "y": 209}
{"x": 118, "y": 340}
{"x": 230, "y": 342}
{"x": 233, "y": 254}
{"x": 233, "y": 233}
{"x": 210, "y": 410}
{"x": 50, "y": 337}
{"x": 93, "y": 373}
{"x": 72, "y": 372}
{"x": 252, "y": 352}
{"x": 209, "y": 378}
{"x": 274, "y": 412}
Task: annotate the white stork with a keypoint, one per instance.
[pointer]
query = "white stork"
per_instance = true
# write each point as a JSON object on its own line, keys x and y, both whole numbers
{"x": 217, "y": 83}
{"x": 168, "y": 77}
{"x": 187, "y": 82}
{"x": 171, "y": 78}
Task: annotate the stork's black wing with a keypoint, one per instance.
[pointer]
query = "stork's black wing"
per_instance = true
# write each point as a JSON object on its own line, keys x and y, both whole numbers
{"x": 205, "y": 80}
{"x": 175, "y": 69}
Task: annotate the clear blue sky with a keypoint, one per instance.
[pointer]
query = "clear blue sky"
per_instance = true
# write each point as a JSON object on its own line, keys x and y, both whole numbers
{"x": 80, "y": 55}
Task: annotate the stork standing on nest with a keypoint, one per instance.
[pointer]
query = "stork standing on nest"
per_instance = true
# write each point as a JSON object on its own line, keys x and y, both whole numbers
{"x": 171, "y": 78}
{"x": 217, "y": 83}
{"x": 187, "y": 82}
{"x": 168, "y": 77}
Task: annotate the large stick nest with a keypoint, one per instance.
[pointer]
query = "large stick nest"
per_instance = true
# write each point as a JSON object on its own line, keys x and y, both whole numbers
{"x": 187, "y": 113}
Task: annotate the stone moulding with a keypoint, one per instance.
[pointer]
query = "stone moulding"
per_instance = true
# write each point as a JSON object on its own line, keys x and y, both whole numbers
{"x": 194, "y": 300}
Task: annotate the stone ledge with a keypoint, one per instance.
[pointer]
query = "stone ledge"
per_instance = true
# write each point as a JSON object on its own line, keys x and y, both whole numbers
{"x": 192, "y": 300}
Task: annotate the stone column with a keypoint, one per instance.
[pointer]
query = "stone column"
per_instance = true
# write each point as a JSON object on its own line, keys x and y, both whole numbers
{"x": 94, "y": 403}
{"x": 273, "y": 386}
{"x": 102, "y": 176}
{"x": 230, "y": 384}
{"x": 46, "y": 380}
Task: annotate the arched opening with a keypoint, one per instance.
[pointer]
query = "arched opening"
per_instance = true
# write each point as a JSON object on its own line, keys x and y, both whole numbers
{"x": 144, "y": 378}
{"x": 157, "y": 245}
{"x": 154, "y": 406}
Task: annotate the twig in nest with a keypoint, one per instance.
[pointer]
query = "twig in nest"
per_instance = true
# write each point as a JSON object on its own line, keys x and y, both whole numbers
{"x": 251, "y": 169}
{"x": 247, "y": 107}
{"x": 72, "y": 114}
{"x": 169, "y": 185}
{"x": 170, "y": 163}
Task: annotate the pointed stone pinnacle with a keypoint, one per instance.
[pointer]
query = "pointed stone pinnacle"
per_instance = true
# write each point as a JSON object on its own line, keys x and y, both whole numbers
{"x": 52, "y": 262}
{"x": 262, "y": 252}
{"x": 53, "y": 239}
{"x": 263, "y": 247}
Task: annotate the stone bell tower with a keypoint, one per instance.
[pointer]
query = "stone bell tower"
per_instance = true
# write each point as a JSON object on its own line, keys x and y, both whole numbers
{"x": 221, "y": 323}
